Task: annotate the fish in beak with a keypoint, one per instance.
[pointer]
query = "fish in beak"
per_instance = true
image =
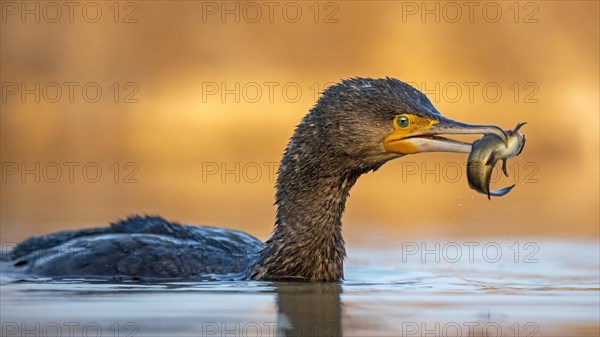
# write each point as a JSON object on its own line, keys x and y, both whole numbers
{"x": 486, "y": 152}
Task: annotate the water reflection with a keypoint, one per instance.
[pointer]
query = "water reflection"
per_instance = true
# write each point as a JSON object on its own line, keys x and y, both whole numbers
{"x": 309, "y": 309}
{"x": 382, "y": 296}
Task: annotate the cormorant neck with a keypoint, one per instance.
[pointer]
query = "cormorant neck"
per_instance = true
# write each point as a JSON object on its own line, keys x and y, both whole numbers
{"x": 312, "y": 187}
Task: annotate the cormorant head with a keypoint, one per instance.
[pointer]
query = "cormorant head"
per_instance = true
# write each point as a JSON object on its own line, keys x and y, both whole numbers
{"x": 377, "y": 120}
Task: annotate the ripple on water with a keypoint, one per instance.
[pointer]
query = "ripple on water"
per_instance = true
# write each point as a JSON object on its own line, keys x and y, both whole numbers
{"x": 383, "y": 295}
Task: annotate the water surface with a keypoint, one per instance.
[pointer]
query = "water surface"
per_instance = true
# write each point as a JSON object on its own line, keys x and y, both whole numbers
{"x": 433, "y": 288}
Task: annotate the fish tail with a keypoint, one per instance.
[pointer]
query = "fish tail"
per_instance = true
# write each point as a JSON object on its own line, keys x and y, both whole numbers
{"x": 502, "y": 191}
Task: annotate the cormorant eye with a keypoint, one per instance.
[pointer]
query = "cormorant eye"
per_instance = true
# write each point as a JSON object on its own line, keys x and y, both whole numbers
{"x": 402, "y": 121}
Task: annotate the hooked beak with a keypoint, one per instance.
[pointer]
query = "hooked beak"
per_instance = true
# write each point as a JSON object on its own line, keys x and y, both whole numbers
{"x": 429, "y": 139}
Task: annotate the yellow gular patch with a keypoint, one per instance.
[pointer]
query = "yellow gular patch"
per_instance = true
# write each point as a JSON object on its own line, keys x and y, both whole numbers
{"x": 416, "y": 123}
{"x": 393, "y": 142}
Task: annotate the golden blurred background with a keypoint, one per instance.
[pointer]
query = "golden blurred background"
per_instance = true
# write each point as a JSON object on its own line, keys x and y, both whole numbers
{"x": 198, "y": 99}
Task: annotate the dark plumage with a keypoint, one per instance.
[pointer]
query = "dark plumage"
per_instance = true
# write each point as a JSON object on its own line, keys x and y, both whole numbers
{"x": 145, "y": 248}
{"x": 336, "y": 142}
{"x": 339, "y": 140}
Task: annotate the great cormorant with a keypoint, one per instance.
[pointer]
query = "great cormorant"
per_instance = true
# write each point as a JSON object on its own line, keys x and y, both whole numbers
{"x": 355, "y": 127}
